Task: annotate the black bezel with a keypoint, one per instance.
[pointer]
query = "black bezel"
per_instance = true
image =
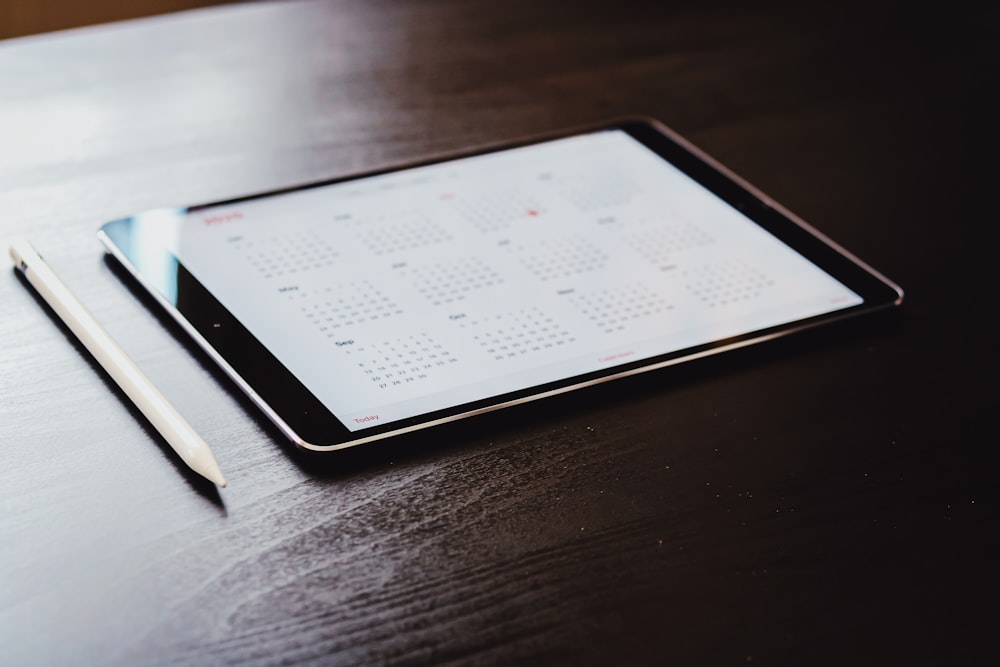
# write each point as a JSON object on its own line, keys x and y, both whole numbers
{"x": 309, "y": 423}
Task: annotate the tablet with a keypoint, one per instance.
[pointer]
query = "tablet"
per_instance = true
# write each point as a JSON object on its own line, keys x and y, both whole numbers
{"x": 360, "y": 308}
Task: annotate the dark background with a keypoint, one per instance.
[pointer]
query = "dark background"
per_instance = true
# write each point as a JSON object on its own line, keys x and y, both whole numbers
{"x": 826, "y": 499}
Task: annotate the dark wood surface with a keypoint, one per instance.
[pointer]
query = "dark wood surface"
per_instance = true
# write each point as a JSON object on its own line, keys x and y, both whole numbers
{"x": 827, "y": 499}
{"x": 31, "y": 17}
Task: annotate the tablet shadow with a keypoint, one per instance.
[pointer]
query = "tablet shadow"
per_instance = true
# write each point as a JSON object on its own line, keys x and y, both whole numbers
{"x": 576, "y": 408}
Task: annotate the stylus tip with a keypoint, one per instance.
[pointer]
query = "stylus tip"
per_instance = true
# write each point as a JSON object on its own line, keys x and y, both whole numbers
{"x": 214, "y": 474}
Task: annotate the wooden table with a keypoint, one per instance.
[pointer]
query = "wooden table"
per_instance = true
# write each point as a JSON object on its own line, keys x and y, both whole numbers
{"x": 827, "y": 499}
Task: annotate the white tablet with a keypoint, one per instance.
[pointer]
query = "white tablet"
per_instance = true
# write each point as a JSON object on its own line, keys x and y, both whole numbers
{"x": 356, "y": 309}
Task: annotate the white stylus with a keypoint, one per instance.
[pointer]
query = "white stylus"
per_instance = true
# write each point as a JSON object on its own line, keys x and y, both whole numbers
{"x": 160, "y": 413}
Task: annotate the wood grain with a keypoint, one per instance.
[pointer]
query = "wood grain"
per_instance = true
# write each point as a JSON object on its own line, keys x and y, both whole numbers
{"x": 826, "y": 500}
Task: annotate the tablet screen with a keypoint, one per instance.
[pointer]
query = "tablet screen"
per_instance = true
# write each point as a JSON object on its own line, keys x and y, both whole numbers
{"x": 416, "y": 292}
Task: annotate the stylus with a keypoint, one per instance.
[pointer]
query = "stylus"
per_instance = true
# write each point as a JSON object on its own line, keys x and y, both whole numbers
{"x": 160, "y": 413}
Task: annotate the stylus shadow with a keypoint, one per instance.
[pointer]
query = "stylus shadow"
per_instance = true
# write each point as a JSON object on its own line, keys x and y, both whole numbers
{"x": 501, "y": 425}
{"x": 202, "y": 486}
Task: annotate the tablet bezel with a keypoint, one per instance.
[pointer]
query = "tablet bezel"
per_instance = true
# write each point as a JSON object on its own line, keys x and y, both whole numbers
{"x": 308, "y": 423}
